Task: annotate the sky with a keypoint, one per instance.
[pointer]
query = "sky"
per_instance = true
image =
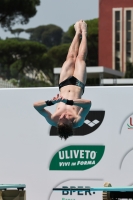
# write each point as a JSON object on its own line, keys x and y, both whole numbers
{"x": 62, "y": 13}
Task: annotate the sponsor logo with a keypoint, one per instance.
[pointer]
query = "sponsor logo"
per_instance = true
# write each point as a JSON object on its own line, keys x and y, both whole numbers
{"x": 77, "y": 189}
{"x": 77, "y": 157}
{"x": 130, "y": 124}
{"x": 92, "y": 122}
{"x": 80, "y": 190}
{"x": 127, "y": 125}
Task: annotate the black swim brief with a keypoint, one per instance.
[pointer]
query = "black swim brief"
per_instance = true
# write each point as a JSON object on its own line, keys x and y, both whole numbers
{"x": 72, "y": 81}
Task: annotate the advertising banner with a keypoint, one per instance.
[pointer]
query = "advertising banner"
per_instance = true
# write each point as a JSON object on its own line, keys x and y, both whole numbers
{"x": 32, "y": 153}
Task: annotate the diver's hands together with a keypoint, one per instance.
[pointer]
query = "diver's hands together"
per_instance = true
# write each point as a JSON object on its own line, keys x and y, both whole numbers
{"x": 58, "y": 99}
{"x": 63, "y": 100}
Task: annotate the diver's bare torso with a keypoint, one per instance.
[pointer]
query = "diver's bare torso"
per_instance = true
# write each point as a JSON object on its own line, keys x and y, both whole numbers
{"x": 69, "y": 92}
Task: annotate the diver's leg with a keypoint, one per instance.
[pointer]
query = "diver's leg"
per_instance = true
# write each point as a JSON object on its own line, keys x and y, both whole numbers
{"x": 68, "y": 67}
{"x": 80, "y": 65}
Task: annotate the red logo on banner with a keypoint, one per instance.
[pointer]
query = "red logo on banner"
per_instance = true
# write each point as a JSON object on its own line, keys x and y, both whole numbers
{"x": 130, "y": 126}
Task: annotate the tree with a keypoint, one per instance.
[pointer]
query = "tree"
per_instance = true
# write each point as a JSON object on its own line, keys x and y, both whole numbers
{"x": 36, "y": 33}
{"x": 17, "y": 31}
{"x": 58, "y": 54}
{"x": 17, "y": 11}
{"x": 46, "y": 64}
{"x": 19, "y": 57}
{"x": 129, "y": 71}
{"x": 50, "y": 35}
{"x": 27, "y": 82}
{"x": 66, "y": 38}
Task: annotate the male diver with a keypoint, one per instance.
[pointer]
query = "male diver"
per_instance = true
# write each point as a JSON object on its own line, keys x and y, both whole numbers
{"x": 71, "y": 110}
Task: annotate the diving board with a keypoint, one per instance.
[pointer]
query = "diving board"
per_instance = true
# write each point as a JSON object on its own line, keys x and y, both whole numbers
{"x": 96, "y": 189}
{"x": 109, "y": 192}
{"x": 12, "y": 186}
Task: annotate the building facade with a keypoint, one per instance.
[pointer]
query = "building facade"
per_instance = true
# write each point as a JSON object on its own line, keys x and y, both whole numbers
{"x": 115, "y": 33}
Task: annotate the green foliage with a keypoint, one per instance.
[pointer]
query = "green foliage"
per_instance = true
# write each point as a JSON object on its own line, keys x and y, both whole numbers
{"x": 15, "y": 67}
{"x": 17, "y": 31}
{"x": 36, "y": 33}
{"x": 14, "y": 82}
{"x": 17, "y": 11}
{"x": 71, "y": 31}
{"x": 129, "y": 71}
{"x": 27, "y": 82}
{"x": 19, "y": 57}
{"x": 17, "y": 39}
{"x": 50, "y": 35}
{"x": 17, "y": 49}
{"x": 92, "y": 59}
{"x": 46, "y": 65}
{"x": 92, "y": 26}
{"x": 66, "y": 38}
{"x": 58, "y": 54}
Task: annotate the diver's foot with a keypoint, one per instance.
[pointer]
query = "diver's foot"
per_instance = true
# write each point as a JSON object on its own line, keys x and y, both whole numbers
{"x": 77, "y": 27}
{"x": 84, "y": 28}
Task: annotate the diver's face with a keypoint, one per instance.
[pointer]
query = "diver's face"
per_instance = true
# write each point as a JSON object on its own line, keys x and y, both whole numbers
{"x": 64, "y": 118}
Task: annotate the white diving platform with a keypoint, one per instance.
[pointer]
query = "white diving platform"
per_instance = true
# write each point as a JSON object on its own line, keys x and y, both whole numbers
{"x": 94, "y": 189}
{"x": 12, "y": 186}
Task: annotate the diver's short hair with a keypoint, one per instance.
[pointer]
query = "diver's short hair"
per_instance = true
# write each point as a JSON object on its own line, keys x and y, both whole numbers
{"x": 64, "y": 130}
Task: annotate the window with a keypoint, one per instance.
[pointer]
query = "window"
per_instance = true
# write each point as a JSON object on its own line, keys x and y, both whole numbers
{"x": 117, "y": 40}
{"x": 128, "y": 35}
{"x": 122, "y": 38}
